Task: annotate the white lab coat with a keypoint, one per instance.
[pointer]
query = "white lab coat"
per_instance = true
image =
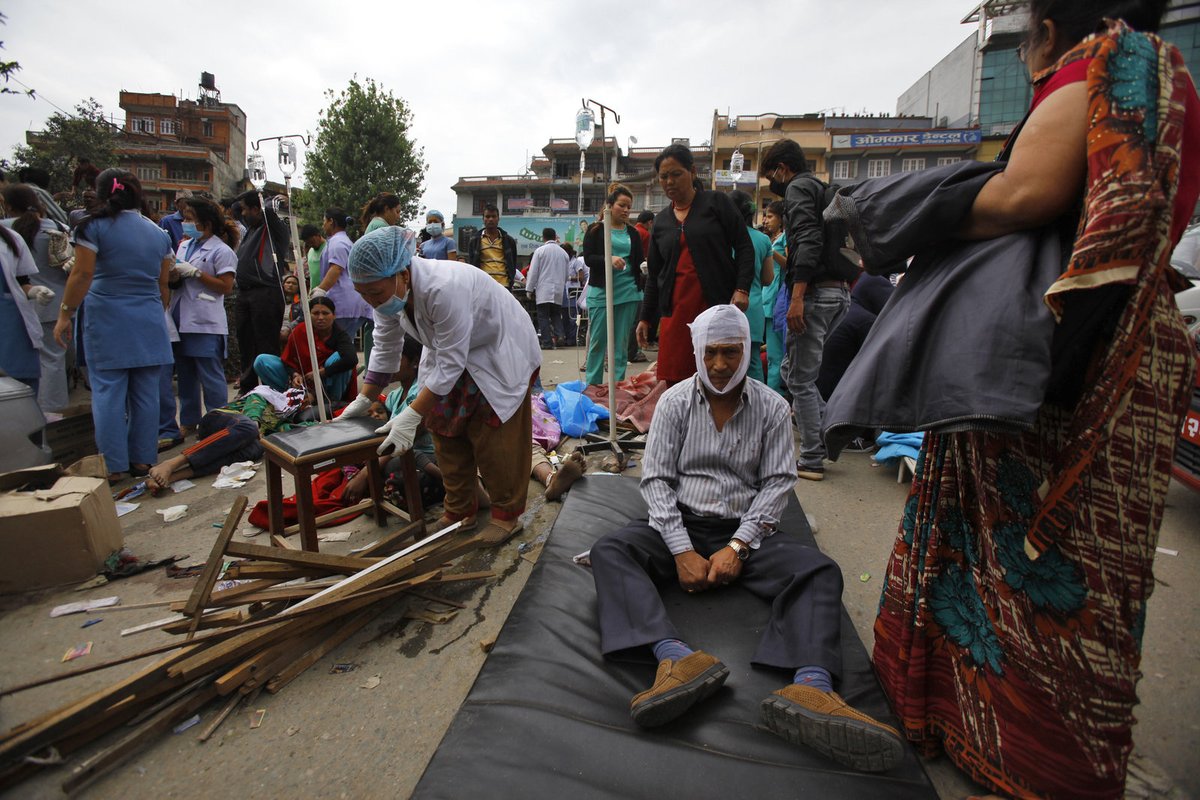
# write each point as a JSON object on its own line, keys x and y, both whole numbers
{"x": 547, "y": 279}
{"x": 465, "y": 320}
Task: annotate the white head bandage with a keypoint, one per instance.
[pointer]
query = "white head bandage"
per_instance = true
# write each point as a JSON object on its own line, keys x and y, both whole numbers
{"x": 724, "y": 324}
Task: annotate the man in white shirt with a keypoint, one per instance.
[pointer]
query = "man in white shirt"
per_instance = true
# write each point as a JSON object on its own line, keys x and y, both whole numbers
{"x": 546, "y": 284}
{"x": 718, "y": 466}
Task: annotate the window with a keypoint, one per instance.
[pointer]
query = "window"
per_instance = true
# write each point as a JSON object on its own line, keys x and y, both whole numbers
{"x": 562, "y": 168}
{"x": 181, "y": 174}
{"x": 480, "y": 200}
{"x": 592, "y": 203}
{"x": 1004, "y": 90}
{"x": 810, "y": 165}
{"x": 879, "y": 168}
{"x": 944, "y": 160}
{"x": 168, "y": 127}
{"x": 148, "y": 173}
{"x": 912, "y": 165}
{"x": 208, "y": 129}
{"x": 540, "y": 197}
{"x": 845, "y": 170}
{"x": 142, "y": 125}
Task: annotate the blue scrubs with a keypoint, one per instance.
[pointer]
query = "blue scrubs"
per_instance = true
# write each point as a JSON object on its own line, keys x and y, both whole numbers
{"x": 125, "y": 333}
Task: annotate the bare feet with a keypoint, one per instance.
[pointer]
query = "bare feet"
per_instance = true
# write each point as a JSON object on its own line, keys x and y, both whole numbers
{"x": 572, "y": 469}
{"x": 159, "y": 477}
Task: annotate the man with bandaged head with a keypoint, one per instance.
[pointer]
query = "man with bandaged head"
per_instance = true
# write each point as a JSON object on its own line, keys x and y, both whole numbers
{"x": 718, "y": 467}
{"x": 480, "y": 357}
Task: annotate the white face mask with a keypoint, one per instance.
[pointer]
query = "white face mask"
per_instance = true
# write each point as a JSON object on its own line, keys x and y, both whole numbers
{"x": 724, "y": 324}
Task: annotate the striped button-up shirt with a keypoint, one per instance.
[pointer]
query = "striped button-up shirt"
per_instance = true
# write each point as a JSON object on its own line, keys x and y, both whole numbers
{"x": 742, "y": 472}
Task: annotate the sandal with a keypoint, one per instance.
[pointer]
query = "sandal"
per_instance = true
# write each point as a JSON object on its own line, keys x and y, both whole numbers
{"x": 493, "y": 534}
{"x": 469, "y": 524}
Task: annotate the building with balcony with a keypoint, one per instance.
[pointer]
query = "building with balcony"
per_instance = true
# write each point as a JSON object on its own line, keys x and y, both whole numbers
{"x": 547, "y": 194}
{"x": 173, "y": 144}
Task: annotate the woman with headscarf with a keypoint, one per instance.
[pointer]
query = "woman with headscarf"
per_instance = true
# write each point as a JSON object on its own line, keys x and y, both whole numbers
{"x": 1010, "y": 628}
{"x": 439, "y": 246}
{"x": 481, "y": 357}
{"x": 336, "y": 356}
{"x": 700, "y": 256}
{"x": 203, "y": 274}
{"x": 122, "y": 263}
{"x": 28, "y": 218}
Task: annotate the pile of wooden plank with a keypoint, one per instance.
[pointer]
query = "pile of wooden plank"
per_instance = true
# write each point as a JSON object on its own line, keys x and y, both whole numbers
{"x": 261, "y": 634}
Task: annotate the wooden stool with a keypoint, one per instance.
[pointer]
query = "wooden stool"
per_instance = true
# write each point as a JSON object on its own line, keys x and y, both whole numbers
{"x": 303, "y": 451}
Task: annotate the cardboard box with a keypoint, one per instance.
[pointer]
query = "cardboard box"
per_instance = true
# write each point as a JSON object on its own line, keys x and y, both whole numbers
{"x": 56, "y": 525}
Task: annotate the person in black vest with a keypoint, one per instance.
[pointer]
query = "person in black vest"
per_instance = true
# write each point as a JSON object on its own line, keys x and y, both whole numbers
{"x": 259, "y": 289}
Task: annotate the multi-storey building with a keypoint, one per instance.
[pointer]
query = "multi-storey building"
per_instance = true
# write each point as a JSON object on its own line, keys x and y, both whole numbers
{"x": 173, "y": 144}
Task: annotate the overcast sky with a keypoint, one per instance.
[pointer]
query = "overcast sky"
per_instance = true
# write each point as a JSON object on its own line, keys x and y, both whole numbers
{"x": 488, "y": 82}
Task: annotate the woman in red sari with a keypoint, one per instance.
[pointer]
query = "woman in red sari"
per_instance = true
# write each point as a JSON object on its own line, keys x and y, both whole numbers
{"x": 1009, "y": 631}
{"x": 700, "y": 256}
{"x": 335, "y": 355}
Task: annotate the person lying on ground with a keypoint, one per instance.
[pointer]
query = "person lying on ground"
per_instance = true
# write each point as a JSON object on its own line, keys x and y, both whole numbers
{"x": 718, "y": 466}
{"x": 231, "y": 433}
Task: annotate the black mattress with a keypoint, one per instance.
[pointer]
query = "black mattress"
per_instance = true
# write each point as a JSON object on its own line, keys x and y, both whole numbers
{"x": 309, "y": 439}
{"x": 549, "y": 717}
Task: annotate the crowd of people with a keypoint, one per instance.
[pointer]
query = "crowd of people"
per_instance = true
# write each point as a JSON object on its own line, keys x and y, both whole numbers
{"x": 1017, "y": 585}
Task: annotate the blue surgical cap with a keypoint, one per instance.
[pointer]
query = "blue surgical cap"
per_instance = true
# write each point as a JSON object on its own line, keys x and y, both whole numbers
{"x": 433, "y": 212}
{"x": 381, "y": 254}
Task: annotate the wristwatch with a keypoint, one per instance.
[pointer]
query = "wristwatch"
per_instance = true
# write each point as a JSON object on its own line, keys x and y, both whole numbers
{"x": 67, "y": 308}
{"x": 741, "y": 548}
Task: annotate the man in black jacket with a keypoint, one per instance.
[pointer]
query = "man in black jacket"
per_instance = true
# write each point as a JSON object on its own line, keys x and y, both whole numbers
{"x": 819, "y": 298}
{"x": 493, "y": 250}
{"x": 259, "y": 285}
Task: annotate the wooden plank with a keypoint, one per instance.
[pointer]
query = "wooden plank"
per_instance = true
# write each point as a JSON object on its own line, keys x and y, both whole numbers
{"x": 388, "y": 543}
{"x": 224, "y": 597}
{"x": 281, "y": 541}
{"x": 300, "y": 558}
{"x": 273, "y": 572}
{"x": 198, "y": 599}
{"x": 330, "y": 516}
{"x": 282, "y": 626}
{"x": 347, "y": 629}
{"x": 110, "y": 757}
{"x": 221, "y": 716}
{"x": 49, "y": 728}
{"x": 152, "y": 626}
{"x": 210, "y": 619}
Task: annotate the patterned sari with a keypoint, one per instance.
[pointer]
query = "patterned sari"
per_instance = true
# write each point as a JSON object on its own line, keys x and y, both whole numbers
{"x": 1010, "y": 626}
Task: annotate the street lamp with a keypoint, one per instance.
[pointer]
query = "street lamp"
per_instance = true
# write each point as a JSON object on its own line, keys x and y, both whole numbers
{"x": 585, "y": 132}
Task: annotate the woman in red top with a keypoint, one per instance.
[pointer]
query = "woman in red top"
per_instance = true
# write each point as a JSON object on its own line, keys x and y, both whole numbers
{"x": 1009, "y": 631}
{"x": 700, "y": 255}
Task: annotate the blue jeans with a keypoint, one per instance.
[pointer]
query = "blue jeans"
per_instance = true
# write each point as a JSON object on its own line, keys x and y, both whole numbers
{"x": 549, "y": 323}
{"x": 823, "y": 310}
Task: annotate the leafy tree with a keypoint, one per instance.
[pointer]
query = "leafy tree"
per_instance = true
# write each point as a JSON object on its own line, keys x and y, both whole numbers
{"x": 363, "y": 147}
{"x": 67, "y": 138}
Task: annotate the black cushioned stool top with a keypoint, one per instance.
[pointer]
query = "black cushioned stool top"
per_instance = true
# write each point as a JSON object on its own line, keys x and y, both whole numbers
{"x": 548, "y": 717}
{"x": 312, "y": 439}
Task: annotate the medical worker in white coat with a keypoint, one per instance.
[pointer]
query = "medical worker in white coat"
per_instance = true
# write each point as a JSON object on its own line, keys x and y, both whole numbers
{"x": 481, "y": 357}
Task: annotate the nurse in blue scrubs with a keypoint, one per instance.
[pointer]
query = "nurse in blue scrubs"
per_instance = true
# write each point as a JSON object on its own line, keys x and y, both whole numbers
{"x": 20, "y": 331}
{"x": 122, "y": 261}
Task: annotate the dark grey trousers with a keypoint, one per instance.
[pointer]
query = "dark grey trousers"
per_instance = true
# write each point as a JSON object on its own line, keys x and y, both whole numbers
{"x": 803, "y": 585}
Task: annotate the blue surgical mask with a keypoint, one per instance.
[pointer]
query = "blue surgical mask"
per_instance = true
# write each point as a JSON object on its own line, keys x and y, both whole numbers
{"x": 434, "y": 229}
{"x": 191, "y": 231}
{"x": 393, "y": 307}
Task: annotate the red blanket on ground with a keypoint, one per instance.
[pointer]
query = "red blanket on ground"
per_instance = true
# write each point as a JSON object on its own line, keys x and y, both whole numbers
{"x": 327, "y": 497}
{"x": 636, "y": 398}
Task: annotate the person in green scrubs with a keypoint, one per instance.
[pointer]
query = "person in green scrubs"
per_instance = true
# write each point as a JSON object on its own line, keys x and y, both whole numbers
{"x": 628, "y": 281}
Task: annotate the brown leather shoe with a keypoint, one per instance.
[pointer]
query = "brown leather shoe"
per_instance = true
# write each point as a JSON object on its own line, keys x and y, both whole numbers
{"x": 678, "y": 686}
{"x": 822, "y": 720}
